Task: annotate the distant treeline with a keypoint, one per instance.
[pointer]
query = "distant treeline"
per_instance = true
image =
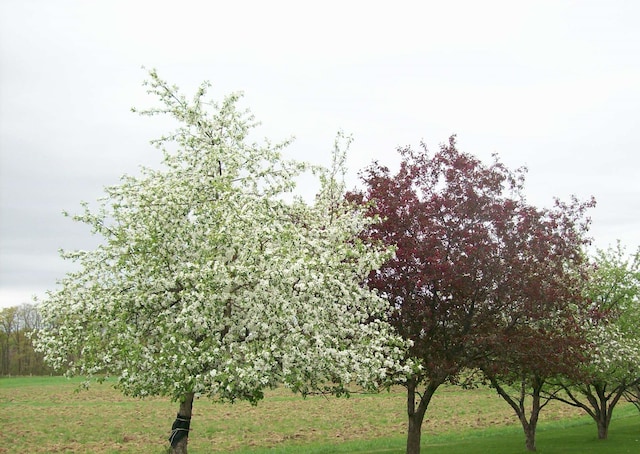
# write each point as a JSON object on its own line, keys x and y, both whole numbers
{"x": 17, "y": 356}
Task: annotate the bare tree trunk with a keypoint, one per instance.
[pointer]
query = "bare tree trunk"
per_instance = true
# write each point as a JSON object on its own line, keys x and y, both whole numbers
{"x": 530, "y": 437}
{"x": 604, "y": 405}
{"x": 416, "y": 413}
{"x": 603, "y": 430}
{"x": 528, "y": 425}
{"x": 180, "y": 428}
{"x": 600, "y": 399}
{"x": 414, "y": 434}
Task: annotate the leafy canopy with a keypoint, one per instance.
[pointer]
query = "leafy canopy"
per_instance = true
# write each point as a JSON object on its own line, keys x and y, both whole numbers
{"x": 614, "y": 291}
{"x": 475, "y": 265}
{"x": 209, "y": 281}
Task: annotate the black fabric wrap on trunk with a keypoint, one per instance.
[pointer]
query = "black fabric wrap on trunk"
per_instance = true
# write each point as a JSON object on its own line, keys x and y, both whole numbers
{"x": 179, "y": 429}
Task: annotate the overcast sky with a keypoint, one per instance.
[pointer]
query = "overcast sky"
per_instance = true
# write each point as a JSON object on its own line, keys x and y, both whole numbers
{"x": 553, "y": 85}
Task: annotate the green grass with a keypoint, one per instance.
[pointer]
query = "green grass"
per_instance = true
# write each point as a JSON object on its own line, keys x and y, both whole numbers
{"x": 46, "y": 414}
{"x": 574, "y": 435}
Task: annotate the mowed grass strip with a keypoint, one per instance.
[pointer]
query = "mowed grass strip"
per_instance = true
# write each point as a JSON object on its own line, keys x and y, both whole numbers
{"x": 575, "y": 435}
{"x": 48, "y": 414}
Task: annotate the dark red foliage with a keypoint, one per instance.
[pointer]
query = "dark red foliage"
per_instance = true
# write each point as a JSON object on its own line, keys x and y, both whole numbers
{"x": 476, "y": 266}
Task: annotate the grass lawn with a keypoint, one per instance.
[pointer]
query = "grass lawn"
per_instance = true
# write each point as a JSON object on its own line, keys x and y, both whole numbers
{"x": 571, "y": 435}
{"x": 47, "y": 415}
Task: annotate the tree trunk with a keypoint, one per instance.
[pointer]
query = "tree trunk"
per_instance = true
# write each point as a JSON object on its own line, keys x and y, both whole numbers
{"x": 180, "y": 428}
{"x": 414, "y": 433}
{"x": 530, "y": 437}
{"x": 603, "y": 404}
{"x": 416, "y": 413}
{"x": 600, "y": 402}
{"x": 528, "y": 425}
{"x": 530, "y": 429}
{"x": 603, "y": 430}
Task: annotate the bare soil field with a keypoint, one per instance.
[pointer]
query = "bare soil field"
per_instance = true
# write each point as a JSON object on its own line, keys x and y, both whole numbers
{"x": 50, "y": 415}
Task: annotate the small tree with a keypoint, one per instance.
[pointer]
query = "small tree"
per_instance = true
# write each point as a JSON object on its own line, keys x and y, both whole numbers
{"x": 17, "y": 356}
{"x": 209, "y": 282}
{"x": 613, "y": 364}
{"x": 8, "y": 327}
{"x": 540, "y": 335}
{"x": 528, "y": 358}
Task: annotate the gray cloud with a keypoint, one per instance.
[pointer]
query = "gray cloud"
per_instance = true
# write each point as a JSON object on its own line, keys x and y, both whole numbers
{"x": 550, "y": 85}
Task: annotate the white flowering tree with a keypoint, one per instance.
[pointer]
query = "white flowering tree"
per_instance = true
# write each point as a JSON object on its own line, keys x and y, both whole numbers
{"x": 612, "y": 368}
{"x": 210, "y": 281}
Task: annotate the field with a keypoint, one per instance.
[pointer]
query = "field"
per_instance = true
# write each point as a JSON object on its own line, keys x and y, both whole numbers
{"x": 48, "y": 415}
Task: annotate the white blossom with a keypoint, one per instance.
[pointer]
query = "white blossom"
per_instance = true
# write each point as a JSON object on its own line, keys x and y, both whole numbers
{"x": 209, "y": 281}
